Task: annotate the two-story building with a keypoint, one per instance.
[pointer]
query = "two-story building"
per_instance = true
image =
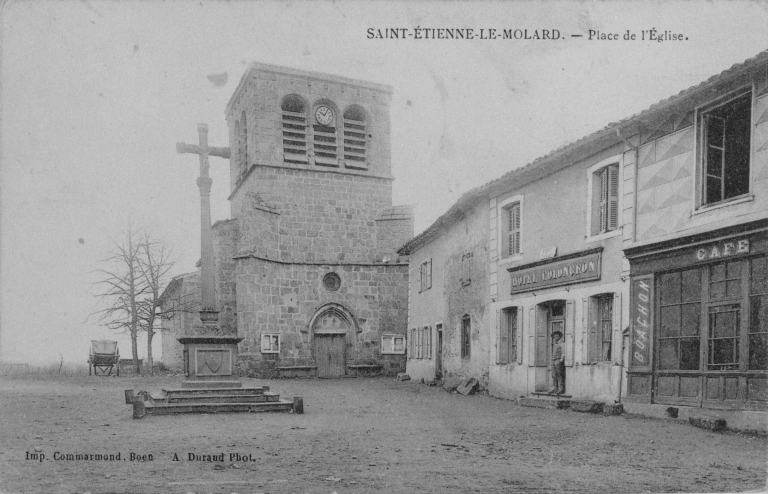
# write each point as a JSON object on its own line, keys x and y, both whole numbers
{"x": 644, "y": 244}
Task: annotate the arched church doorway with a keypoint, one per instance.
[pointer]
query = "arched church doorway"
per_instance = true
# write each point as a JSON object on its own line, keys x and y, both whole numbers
{"x": 331, "y": 327}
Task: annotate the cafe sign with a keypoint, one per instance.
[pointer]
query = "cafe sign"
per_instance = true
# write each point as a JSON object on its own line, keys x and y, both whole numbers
{"x": 576, "y": 268}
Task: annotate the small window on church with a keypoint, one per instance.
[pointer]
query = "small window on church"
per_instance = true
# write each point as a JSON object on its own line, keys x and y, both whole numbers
{"x": 393, "y": 344}
{"x": 270, "y": 343}
{"x": 355, "y": 138}
{"x": 294, "y": 130}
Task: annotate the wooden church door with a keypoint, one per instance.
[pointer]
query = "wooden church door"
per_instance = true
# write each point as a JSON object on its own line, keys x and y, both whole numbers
{"x": 330, "y": 355}
{"x": 330, "y": 332}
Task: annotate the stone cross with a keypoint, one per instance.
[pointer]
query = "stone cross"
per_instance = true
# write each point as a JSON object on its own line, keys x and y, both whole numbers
{"x": 209, "y": 315}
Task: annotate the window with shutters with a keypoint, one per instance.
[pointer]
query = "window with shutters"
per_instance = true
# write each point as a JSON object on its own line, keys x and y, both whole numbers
{"x": 294, "y": 123}
{"x": 466, "y": 333}
{"x": 510, "y": 228}
{"x": 355, "y": 138}
{"x": 425, "y": 275}
{"x": 601, "y": 327}
{"x": 508, "y": 335}
{"x": 605, "y": 200}
{"x": 725, "y": 132}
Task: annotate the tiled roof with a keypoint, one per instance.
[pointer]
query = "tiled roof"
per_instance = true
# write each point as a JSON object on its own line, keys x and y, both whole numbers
{"x": 471, "y": 197}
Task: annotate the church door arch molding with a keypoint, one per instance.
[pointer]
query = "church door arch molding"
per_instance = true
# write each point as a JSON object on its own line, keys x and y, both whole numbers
{"x": 333, "y": 329}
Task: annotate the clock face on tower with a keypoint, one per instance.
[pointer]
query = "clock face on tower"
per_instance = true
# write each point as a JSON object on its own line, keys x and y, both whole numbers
{"x": 324, "y": 115}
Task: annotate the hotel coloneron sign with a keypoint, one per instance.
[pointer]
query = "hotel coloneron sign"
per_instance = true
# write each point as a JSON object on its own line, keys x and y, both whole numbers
{"x": 573, "y": 268}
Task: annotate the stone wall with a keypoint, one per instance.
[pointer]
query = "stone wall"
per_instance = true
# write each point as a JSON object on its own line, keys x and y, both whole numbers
{"x": 282, "y": 298}
{"x": 314, "y": 216}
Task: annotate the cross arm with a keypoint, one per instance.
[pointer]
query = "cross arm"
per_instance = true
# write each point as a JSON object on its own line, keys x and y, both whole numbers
{"x": 195, "y": 149}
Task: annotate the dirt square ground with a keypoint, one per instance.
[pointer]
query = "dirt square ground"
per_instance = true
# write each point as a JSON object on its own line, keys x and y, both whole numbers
{"x": 356, "y": 436}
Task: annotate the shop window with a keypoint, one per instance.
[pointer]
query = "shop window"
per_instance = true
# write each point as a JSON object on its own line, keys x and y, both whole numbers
{"x": 758, "y": 315}
{"x": 680, "y": 310}
{"x": 466, "y": 333}
{"x": 392, "y": 344}
{"x": 425, "y": 275}
{"x": 508, "y": 336}
{"x": 355, "y": 137}
{"x": 270, "y": 343}
{"x": 725, "y": 132}
{"x": 605, "y": 200}
{"x": 724, "y": 316}
{"x": 294, "y": 121}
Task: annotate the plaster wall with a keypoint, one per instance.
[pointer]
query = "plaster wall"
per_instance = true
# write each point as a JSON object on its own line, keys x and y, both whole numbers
{"x": 454, "y": 295}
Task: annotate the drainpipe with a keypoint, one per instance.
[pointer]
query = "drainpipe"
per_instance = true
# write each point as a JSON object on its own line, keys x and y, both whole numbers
{"x": 636, "y": 150}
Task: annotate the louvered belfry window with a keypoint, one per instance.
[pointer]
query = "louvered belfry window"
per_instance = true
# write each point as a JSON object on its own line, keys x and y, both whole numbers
{"x": 513, "y": 218}
{"x": 355, "y": 138}
{"x": 608, "y": 201}
{"x": 294, "y": 130}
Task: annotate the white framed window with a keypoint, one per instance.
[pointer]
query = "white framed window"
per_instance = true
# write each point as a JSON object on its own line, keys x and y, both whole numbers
{"x": 510, "y": 229}
{"x": 425, "y": 275}
{"x": 604, "y": 198}
{"x": 724, "y": 149}
{"x": 393, "y": 344}
{"x": 509, "y": 345}
{"x": 270, "y": 343}
{"x": 604, "y": 321}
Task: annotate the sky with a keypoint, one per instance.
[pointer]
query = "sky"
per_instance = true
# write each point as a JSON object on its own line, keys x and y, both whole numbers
{"x": 96, "y": 94}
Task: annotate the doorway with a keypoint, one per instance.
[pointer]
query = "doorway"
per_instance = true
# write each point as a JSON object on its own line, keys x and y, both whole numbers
{"x": 555, "y": 322}
{"x": 330, "y": 354}
{"x": 333, "y": 329}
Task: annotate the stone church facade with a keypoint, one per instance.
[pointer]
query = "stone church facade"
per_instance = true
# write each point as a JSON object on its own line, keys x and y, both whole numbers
{"x": 307, "y": 269}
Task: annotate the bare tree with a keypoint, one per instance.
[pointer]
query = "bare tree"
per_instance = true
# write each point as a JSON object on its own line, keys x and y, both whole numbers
{"x": 124, "y": 287}
{"x": 154, "y": 264}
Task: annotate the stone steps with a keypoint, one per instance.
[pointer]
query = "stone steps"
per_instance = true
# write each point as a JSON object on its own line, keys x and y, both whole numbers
{"x": 141, "y": 408}
{"x": 222, "y": 398}
{"x": 228, "y": 399}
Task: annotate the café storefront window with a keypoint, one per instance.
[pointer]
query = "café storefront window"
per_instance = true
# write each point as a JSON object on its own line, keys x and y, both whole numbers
{"x": 703, "y": 312}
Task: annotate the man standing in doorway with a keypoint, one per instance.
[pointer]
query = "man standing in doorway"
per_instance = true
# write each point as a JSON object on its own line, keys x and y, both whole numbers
{"x": 558, "y": 364}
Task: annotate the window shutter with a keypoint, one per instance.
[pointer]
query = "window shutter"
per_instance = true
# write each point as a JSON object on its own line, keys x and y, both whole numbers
{"x": 616, "y": 343}
{"x": 541, "y": 339}
{"x": 585, "y": 330}
{"x": 594, "y": 330}
{"x": 532, "y": 336}
{"x": 503, "y": 340}
{"x": 603, "y": 200}
{"x": 429, "y": 342}
{"x": 613, "y": 197}
{"x": 429, "y": 274}
{"x": 570, "y": 318}
{"x": 519, "y": 335}
{"x": 515, "y": 237}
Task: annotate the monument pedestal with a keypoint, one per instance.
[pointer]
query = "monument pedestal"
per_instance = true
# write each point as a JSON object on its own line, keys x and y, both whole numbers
{"x": 210, "y": 361}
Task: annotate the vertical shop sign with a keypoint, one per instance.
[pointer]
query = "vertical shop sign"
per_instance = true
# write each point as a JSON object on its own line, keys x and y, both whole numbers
{"x": 641, "y": 338}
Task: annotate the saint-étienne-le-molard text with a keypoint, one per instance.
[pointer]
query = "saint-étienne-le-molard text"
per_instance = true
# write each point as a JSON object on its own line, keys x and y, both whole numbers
{"x": 405, "y": 33}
